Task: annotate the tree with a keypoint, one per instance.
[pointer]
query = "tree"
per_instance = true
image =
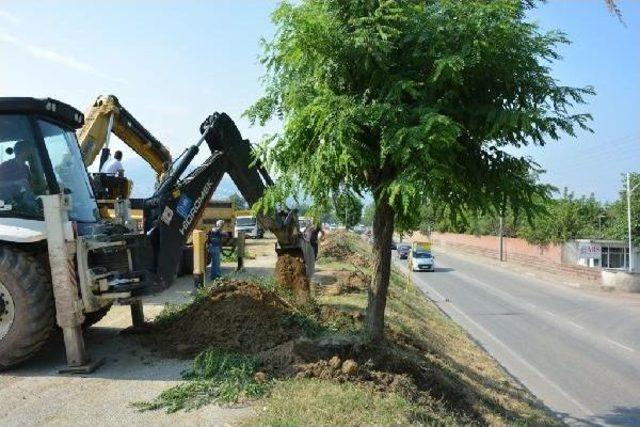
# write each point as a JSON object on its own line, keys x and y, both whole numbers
{"x": 566, "y": 218}
{"x": 348, "y": 208}
{"x": 614, "y": 9}
{"x": 409, "y": 100}
{"x": 238, "y": 201}
{"x": 368, "y": 213}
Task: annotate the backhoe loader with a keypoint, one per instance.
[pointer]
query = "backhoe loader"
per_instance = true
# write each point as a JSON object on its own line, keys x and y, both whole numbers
{"x": 61, "y": 262}
{"x": 106, "y": 116}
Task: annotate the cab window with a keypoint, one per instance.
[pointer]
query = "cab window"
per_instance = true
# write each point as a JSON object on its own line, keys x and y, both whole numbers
{"x": 22, "y": 178}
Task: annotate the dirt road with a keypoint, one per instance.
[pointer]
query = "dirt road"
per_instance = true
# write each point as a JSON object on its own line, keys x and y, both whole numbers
{"x": 35, "y": 394}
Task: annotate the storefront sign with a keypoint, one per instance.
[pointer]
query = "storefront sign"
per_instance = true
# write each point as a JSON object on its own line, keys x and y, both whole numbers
{"x": 589, "y": 250}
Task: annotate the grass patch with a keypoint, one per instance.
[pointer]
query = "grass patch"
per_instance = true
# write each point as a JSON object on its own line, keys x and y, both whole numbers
{"x": 214, "y": 376}
{"x": 465, "y": 385}
{"x": 321, "y": 402}
{"x": 457, "y": 382}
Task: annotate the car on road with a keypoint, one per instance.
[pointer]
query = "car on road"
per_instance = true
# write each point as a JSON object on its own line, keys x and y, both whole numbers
{"x": 403, "y": 249}
{"x": 420, "y": 260}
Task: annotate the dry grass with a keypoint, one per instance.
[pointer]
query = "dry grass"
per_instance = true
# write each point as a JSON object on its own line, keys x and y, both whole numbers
{"x": 321, "y": 402}
{"x": 467, "y": 379}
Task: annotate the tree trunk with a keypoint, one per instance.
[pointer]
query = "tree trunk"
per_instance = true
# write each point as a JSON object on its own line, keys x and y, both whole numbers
{"x": 382, "y": 235}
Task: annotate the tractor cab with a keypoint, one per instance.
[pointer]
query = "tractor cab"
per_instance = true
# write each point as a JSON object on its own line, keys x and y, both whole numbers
{"x": 39, "y": 155}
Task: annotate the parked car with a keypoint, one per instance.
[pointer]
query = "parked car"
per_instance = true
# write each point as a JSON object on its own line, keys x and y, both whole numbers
{"x": 403, "y": 250}
{"x": 420, "y": 260}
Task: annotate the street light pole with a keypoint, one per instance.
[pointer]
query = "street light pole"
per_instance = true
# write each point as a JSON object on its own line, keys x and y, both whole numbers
{"x": 501, "y": 239}
{"x": 629, "y": 191}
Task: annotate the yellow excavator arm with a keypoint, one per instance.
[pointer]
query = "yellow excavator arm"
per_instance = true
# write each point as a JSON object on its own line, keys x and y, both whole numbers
{"x": 107, "y": 115}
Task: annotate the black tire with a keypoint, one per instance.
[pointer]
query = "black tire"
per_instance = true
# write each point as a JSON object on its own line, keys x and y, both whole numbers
{"x": 91, "y": 319}
{"x": 31, "y": 293}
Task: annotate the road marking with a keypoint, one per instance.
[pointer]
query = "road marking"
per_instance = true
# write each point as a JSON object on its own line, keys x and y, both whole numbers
{"x": 620, "y": 345}
{"x": 531, "y": 305}
{"x": 550, "y": 313}
{"x": 515, "y": 355}
{"x": 528, "y": 365}
{"x": 575, "y": 324}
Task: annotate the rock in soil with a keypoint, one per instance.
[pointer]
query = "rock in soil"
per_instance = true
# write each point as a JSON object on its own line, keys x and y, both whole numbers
{"x": 335, "y": 362}
{"x": 350, "y": 367}
{"x": 260, "y": 377}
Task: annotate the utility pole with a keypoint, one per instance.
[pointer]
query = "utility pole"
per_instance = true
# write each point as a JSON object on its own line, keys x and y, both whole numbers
{"x": 629, "y": 191}
{"x": 501, "y": 239}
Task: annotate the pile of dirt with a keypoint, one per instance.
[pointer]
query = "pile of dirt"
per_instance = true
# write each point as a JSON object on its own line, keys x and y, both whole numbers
{"x": 345, "y": 360}
{"x": 236, "y": 316}
{"x": 349, "y": 370}
{"x": 338, "y": 247}
{"x": 346, "y": 282}
{"x": 242, "y": 317}
{"x": 291, "y": 273}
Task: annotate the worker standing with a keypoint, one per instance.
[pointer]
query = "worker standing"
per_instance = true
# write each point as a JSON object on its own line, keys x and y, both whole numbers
{"x": 214, "y": 245}
{"x": 311, "y": 235}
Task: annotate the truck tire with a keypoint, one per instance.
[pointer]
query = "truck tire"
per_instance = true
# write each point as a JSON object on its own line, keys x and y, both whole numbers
{"x": 92, "y": 318}
{"x": 27, "y": 310}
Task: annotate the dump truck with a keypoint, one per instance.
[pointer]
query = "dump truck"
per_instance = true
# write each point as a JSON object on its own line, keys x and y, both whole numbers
{"x": 62, "y": 264}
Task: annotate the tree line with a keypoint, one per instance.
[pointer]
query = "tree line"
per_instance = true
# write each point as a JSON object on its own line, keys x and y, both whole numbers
{"x": 561, "y": 218}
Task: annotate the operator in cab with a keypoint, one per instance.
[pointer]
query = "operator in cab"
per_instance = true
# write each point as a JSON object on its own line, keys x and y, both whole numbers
{"x": 16, "y": 170}
{"x": 113, "y": 166}
{"x": 214, "y": 246}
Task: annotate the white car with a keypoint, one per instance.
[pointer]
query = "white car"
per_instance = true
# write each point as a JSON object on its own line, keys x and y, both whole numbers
{"x": 421, "y": 261}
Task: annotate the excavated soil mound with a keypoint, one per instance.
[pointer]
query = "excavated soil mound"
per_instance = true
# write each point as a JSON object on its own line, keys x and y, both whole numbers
{"x": 351, "y": 371}
{"x": 337, "y": 246}
{"x": 344, "y": 361}
{"x": 291, "y": 273}
{"x": 236, "y": 316}
{"x": 343, "y": 282}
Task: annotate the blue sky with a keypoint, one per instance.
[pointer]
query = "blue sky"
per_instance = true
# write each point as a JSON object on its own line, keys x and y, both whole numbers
{"x": 172, "y": 63}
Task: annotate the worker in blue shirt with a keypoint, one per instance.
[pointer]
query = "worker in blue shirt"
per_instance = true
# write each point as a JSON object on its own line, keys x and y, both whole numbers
{"x": 214, "y": 245}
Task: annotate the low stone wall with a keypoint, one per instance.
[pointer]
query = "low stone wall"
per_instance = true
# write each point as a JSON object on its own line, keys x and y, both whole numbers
{"x": 621, "y": 280}
{"x": 545, "y": 257}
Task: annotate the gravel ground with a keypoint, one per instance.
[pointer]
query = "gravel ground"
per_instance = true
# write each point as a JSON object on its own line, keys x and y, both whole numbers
{"x": 35, "y": 394}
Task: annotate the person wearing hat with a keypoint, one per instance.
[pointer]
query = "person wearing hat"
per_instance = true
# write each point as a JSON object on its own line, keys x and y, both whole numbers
{"x": 214, "y": 245}
{"x": 16, "y": 170}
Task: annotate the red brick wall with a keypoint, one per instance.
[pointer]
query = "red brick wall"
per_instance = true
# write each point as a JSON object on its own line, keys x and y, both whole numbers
{"x": 547, "y": 257}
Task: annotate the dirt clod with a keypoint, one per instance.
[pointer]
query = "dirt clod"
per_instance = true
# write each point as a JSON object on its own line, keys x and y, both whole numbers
{"x": 291, "y": 273}
{"x": 260, "y": 377}
{"x": 350, "y": 367}
{"x": 335, "y": 362}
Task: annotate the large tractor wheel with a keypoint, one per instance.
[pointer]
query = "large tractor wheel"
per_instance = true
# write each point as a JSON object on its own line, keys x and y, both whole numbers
{"x": 27, "y": 311}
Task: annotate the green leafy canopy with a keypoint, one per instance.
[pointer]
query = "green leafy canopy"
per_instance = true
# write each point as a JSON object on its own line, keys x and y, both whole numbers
{"x": 412, "y": 100}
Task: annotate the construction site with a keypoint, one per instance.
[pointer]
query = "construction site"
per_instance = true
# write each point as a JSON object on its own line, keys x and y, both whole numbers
{"x": 106, "y": 302}
{"x": 319, "y": 212}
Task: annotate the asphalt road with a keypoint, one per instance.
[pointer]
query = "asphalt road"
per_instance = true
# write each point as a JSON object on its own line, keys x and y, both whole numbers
{"x": 578, "y": 351}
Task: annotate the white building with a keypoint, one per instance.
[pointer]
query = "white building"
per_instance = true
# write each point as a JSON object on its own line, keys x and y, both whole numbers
{"x": 596, "y": 253}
